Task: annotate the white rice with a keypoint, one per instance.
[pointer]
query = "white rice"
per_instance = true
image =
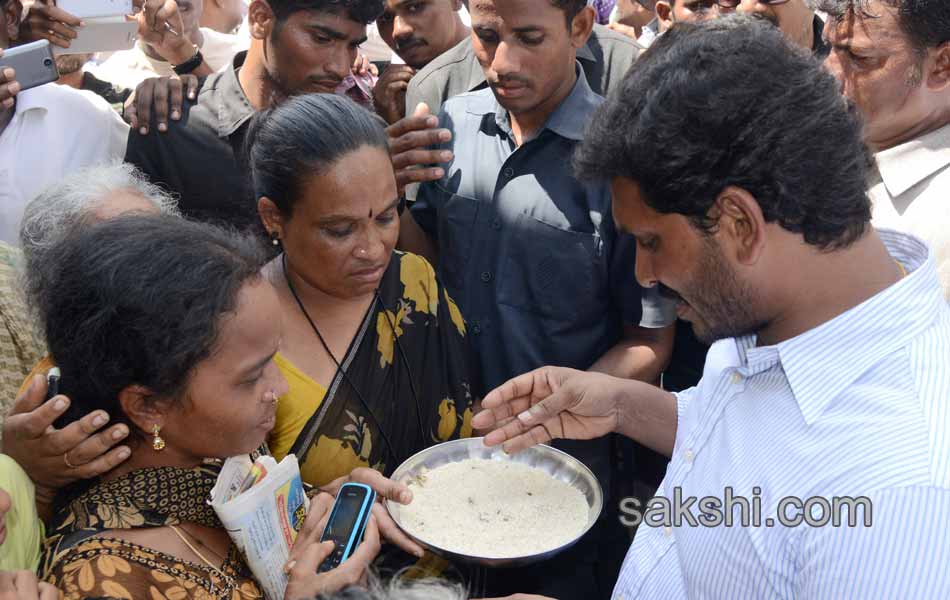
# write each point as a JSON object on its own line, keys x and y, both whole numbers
{"x": 493, "y": 508}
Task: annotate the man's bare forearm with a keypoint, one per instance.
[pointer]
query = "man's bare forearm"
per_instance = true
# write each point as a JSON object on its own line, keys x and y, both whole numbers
{"x": 647, "y": 415}
{"x": 642, "y": 354}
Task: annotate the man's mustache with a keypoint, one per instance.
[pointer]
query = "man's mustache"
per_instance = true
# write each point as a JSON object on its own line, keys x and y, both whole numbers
{"x": 326, "y": 80}
{"x": 668, "y": 293}
{"x": 410, "y": 42}
{"x": 507, "y": 81}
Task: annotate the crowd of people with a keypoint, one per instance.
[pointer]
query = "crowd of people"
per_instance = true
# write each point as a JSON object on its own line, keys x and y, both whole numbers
{"x": 703, "y": 246}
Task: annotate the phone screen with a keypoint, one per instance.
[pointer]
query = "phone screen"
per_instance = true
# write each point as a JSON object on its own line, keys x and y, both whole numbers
{"x": 345, "y": 515}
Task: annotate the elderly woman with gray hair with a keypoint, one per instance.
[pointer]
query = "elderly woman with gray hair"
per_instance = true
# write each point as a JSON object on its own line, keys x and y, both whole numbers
{"x": 86, "y": 197}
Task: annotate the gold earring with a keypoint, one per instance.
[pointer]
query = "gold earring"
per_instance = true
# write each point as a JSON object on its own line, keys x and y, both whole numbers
{"x": 158, "y": 444}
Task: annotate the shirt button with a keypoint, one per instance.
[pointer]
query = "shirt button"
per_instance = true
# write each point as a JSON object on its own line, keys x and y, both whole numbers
{"x": 476, "y": 328}
{"x": 496, "y": 224}
{"x": 667, "y": 531}
{"x": 736, "y": 378}
{"x": 486, "y": 277}
{"x": 509, "y": 172}
{"x": 689, "y": 456}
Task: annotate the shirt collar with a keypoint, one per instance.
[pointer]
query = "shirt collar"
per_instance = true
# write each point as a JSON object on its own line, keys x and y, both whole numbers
{"x": 227, "y": 99}
{"x": 570, "y": 117}
{"x": 902, "y": 167}
{"x": 822, "y": 362}
{"x": 33, "y": 99}
{"x": 573, "y": 114}
{"x": 585, "y": 53}
{"x": 649, "y": 33}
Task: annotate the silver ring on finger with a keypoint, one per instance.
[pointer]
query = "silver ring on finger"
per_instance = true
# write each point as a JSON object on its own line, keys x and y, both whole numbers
{"x": 69, "y": 465}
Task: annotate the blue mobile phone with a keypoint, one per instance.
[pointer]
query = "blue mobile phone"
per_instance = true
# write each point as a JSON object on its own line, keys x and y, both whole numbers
{"x": 351, "y": 511}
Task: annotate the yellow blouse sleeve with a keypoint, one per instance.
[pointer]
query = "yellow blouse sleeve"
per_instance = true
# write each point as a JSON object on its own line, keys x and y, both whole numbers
{"x": 304, "y": 396}
{"x": 328, "y": 459}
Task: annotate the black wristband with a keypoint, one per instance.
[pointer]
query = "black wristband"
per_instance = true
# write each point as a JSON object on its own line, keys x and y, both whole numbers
{"x": 191, "y": 64}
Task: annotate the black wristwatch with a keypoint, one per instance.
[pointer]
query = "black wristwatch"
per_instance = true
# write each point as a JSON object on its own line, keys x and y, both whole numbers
{"x": 191, "y": 64}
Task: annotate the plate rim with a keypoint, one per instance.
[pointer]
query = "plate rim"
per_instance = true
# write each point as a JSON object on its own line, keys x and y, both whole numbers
{"x": 479, "y": 558}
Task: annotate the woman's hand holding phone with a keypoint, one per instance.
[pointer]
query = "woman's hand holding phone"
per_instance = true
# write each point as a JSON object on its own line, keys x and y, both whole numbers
{"x": 309, "y": 553}
{"x": 386, "y": 489}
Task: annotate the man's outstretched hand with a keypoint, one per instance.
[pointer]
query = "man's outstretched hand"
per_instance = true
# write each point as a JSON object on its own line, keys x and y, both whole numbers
{"x": 547, "y": 404}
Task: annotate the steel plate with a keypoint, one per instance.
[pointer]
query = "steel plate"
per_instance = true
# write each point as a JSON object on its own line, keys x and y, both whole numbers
{"x": 558, "y": 464}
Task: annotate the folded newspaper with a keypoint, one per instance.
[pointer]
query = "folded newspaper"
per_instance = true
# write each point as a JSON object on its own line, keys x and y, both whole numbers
{"x": 262, "y": 504}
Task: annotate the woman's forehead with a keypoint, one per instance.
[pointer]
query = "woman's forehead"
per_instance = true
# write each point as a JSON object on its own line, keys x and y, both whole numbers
{"x": 358, "y": 185}
{"x": 251, "y": 333}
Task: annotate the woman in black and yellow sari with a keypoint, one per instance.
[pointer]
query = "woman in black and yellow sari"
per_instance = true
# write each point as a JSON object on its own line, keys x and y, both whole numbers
{"x": 373, "y": 349}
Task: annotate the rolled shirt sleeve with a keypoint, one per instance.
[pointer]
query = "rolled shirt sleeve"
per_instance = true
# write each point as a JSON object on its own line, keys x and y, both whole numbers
{"x": 682, "y": 401}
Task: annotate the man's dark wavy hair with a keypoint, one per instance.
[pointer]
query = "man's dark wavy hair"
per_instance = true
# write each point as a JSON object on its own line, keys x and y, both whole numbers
{"x": 571, "y": 8}
{"x": 361, "y": 11}
{"x": 731, "y": 102}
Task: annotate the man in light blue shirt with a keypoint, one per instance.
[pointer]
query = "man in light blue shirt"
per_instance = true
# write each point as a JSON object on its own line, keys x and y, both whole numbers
{"x": 826, "y": 395}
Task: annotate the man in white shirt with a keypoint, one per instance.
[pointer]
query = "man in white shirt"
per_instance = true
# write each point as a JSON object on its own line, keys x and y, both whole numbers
{"x": 223, "y": 16}
{"x": 46, "y": 133}
{"x": 636, "y": 19}
{"x": 893, "y": 61}
{"x": 158, "y": 54}
{"x": 824, "y": 396}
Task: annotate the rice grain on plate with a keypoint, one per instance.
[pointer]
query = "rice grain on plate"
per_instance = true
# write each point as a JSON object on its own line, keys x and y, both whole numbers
{"x": 494, "y": 508}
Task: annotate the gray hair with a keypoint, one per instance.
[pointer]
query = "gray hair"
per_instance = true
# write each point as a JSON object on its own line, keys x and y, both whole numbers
{"x": 402, "y": 589}
{"x": 70, "y": 203}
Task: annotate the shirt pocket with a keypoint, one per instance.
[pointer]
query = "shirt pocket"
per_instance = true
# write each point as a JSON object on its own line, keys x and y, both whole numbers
{"x": 555, "y": 272}
{"x": 456, "y": 229}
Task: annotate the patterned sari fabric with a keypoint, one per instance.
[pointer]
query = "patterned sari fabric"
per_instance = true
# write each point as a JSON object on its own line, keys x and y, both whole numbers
{"x": 406, "y": 383}
{"x": 84, "y": 562}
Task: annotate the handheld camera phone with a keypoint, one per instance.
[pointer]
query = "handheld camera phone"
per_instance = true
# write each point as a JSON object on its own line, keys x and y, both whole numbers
{"x": 102, "y": 34}
{"x": 34, "y": 64}
{"x": 85, "y": 9}
{"x": 351, "y": 511}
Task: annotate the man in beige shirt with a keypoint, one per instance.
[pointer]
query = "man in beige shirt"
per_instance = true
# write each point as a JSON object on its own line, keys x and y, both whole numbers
{"x": 893, "y": 61}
